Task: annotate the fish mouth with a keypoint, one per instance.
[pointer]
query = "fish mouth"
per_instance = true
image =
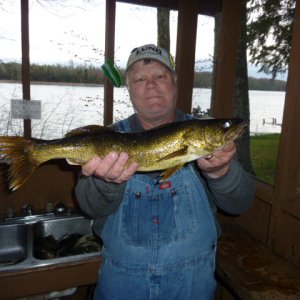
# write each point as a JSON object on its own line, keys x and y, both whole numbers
{"x": 241, "y": 130}
{"x": 235, "y": 133}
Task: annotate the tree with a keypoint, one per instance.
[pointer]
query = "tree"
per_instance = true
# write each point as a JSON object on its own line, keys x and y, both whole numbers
{"x": 241, "y": 94}
{"x": 270, "y": 26}
{"x": 240, "y": 100}
{"x": 163, "y": 28}
{"x": 218, "y": 19}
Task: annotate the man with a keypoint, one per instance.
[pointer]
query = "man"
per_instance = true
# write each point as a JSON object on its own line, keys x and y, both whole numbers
{"x": 159, "y": 239}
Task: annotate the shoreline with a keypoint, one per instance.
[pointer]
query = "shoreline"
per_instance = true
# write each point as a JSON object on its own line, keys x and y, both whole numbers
{"x": 90, "y": 95}
{"x": 54, "y": 83}
{"x": 97, "y": 85}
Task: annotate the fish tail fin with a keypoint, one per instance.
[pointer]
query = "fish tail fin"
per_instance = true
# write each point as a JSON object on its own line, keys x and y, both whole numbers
{"x": 15, "y": 151}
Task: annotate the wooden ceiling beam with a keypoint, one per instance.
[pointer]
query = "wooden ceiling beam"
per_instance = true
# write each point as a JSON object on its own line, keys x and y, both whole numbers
{"x": 209, "y": 8}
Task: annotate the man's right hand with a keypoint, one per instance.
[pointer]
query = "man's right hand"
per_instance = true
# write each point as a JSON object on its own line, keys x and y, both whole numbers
{"x": 111, "y": 168}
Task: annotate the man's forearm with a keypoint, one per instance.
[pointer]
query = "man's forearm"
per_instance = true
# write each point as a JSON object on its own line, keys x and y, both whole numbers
{"x": 233, "y": 192}
{"x": 98, "y": 198}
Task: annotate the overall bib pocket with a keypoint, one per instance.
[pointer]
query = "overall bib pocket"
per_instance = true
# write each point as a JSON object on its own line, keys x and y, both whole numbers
{"x": 156, "y": 218}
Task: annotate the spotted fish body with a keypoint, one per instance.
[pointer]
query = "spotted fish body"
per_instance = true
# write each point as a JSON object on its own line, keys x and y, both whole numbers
{"x": 167, "y": 147}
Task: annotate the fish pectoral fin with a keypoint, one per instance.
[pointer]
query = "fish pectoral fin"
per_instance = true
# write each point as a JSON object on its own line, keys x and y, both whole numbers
{"x": 88, "y": 129}
{"x": 75, "y": 161}
{"x": 169, "y": 172}
{"x": 178, "y": 153}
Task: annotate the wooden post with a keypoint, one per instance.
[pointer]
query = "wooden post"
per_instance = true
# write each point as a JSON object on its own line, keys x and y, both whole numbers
{"x": 25, "y": 60}
{"x": 288, "y": 163}
{"x": 185, "y": 53}
{"x": 109, "y": 54}
{"x": 227, "y": 58}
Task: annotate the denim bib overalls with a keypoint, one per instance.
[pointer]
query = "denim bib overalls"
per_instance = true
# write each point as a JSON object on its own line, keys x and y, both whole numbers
{"x": 161, "y": 242}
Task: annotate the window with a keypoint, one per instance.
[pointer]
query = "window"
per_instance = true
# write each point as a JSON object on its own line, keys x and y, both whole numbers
{"x": 10, "y": 68}
{"x": 66, "y": 52}
{"x": 201, "y": 102}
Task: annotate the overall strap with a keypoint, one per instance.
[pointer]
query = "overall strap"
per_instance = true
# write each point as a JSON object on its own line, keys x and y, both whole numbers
{"x": 123, "y": 125}
{"x": 187, "y": 117}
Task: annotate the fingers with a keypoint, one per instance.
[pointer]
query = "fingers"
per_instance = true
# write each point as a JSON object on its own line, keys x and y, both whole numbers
{"x": 217, "y": 164}
{"x": 108, "y": 165}
{"x": 112, "y": 168}
{"x": 90, "y": 167}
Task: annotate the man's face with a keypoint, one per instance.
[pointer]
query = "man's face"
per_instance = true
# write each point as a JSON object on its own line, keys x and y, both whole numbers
{"x": 152, "y": 89}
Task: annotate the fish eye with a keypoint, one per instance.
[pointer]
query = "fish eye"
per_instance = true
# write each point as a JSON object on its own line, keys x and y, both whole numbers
{"x": 227, "y": 124}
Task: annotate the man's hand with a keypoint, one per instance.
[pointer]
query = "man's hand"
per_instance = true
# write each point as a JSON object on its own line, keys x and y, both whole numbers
{"x": 217, "y": 164}
{"x": 111, "y": 168}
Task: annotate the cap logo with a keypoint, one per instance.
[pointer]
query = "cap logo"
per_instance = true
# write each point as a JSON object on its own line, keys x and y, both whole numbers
{"x": 151, "y": 52}
{"x": 147, "y": 49}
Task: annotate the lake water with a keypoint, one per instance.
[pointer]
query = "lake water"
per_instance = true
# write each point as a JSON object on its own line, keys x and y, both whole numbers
{"x": 68, "y": 107}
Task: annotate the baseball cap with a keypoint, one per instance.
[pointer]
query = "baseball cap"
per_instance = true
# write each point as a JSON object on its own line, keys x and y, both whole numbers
{"x": 151, "y": 51}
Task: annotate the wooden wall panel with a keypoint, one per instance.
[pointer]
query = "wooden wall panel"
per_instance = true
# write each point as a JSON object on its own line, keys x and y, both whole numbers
{"x": 255, "y": 221}
{"x": 15, "y": 285}
{"x": 52, "y": 182}
{"x": 287, "y": 242}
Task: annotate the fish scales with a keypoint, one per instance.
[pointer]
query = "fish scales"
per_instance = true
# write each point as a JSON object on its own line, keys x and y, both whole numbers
{"x": 167, "y": 147}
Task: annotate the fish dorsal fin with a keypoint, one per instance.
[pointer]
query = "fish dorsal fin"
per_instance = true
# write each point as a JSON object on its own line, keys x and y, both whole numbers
{"x": 88, "y": 129}
{"x": 181, "y": 152}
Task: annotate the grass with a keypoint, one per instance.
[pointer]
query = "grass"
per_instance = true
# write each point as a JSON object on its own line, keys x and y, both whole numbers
{"x": 264, "y": 151}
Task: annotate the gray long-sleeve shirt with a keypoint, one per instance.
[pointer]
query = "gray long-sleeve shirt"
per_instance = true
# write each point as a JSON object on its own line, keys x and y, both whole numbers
{"x": 232, "y": 193}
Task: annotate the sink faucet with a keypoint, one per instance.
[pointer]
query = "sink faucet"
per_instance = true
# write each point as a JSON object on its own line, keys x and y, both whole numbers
{"x": 60, "y": 208}
{"x": 9, "y": 212}
{"x": 27, "y": 210}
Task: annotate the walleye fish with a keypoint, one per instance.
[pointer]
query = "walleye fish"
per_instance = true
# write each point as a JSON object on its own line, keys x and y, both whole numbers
{"x": 166, "y": 147}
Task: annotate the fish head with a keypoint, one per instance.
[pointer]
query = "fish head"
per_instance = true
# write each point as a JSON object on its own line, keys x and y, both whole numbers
{"x": 221, "y": 132}
{"x": 233, "y": 129}
{"x": 213, "y": 134}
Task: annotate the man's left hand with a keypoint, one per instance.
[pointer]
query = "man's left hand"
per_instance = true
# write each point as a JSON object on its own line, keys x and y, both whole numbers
{"x": 217, "y": 164}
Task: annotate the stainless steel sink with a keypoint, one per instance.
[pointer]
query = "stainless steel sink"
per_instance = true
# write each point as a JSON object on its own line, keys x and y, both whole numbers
{"x": 61, "y": 226}
{"x": 63, "y": 237}
{"x": 13, "y": 244}
{"x": 25, "y": 243}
